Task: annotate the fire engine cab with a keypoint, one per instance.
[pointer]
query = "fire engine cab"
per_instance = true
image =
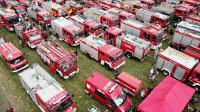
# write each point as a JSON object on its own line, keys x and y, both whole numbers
{"x": 13, "y": 57}
{"x": 101, "y": 16}
{"x": 150, "y": 16}
{"x": 186, "y": 34}
{"x": 28, "y": 35}
{"x": 108, "y": 55}
{"x": 180, "y": 66}
{"x": 55, "y": 9}
{"x": 58, "y": 59}
{"x": 149, "y": 33}
{"x": 67, "y": 31}
{"x": 108, "y": 93}
{"x": 45, "y": 91}
{"x": 40, "y": 15}
{"x": 8, "y": 18}
{"x": 89, "y": 26}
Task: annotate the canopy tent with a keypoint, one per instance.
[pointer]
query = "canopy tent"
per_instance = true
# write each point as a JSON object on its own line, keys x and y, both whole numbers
{"x": 169, "y": 96}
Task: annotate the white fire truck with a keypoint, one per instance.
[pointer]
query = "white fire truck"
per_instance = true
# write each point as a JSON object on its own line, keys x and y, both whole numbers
{"x": 133, "y": 46}
{"x": 186, "y": 34}
{"x": 39, "y": 15}
{"x": 101, "y": 16}
{"x": 150, "y": 16}
{"x": 67, "y": 31}
{"x": 28, "y": 35}
{"x": 89, "y": 26}
{"x": 149, "y": 33}
{"x": 108, "y": 55}
{"x": 58, "y": 59}
{"x": 45, "y": 91}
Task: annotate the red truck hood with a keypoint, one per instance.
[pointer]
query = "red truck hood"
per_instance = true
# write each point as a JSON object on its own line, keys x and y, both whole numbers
{"x": 21, "y": 63}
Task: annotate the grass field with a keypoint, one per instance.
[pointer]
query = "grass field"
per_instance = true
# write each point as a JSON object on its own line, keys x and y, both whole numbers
{"x": 22, "y": 102}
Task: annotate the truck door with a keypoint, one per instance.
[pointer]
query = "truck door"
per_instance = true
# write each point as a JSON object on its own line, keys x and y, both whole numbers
{"x": 52, "y": 67}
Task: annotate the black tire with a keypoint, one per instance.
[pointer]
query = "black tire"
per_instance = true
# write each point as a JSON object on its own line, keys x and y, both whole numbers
{"x": 129, "y": 55}
{"x": 107, "y": 66}
{"x": 88, "y": 55}
{"x": 165, "y": 72}
{"x": 197, "y": 88}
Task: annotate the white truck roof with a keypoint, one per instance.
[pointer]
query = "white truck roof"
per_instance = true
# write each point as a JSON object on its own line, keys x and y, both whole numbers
{"x": 94, "y": 41}
{"x": 37, "y": 79}
{"x": 136, "y": 41}
{"x": 189, "y": 26}
{"x": 179, "y": 57}
{"x": 195, "y": 35}
{"x": 53, "y": 5}
{"x": 78, "y": 18}
{"x": 62, "y": 22}
{"x": 154, "y": 13}
{"x": 95, "y": 11}
{"x": 135, "y": 23}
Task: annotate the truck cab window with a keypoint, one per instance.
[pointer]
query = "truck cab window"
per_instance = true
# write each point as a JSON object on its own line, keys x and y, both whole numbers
{"x": 100, "y": 94}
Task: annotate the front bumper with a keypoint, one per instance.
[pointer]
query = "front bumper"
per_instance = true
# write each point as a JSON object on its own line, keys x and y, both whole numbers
{"x": 14, "y": 71}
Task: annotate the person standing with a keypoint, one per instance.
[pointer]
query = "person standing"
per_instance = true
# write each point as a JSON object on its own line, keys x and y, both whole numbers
{"x": 153, "y": 73}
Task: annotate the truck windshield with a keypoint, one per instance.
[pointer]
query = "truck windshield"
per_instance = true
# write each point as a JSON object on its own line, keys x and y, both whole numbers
{"x": 63, "y": 106}
{"x": 63, "y": 68}
{"x": 113, "y": 22}
{"x": 13, "y": 20}
{"x": 62, "y": 12}
{"x": 21, "y": 10}
{"x": 118, "y": 57}
{"x": 34, "y": 36}
{"x": 16, "y": 60}
{"x": 121, "y": 99}
{"x": 77, "y": 35}
{"x": 47, "y": 17}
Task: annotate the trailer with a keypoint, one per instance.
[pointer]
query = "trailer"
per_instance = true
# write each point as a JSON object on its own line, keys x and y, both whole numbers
{"x": 146, "y": 32}
{"x": 133, "y": 46}
{"x": 13, "y": 57}
{"x": 129, "y": 83}
{"x": 153, "y": 17}
{"x": 58, "y": 59}
{"x": 67, "y": 31}
{"x": 40, "y": 15}
{"x": 88, "y": 25}
{"x": 180, "y": 66}
{"x": 186, "y": 34}
{"x": 8, "y": 18}
{"x": 108, "y": 55}
{"x": 45, "y": 91}
{"x": 101, "y": 16}
{"x": 53, "y": 8}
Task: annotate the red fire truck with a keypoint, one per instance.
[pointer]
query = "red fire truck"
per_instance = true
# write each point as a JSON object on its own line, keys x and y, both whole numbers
{"x": 181, "y": 12}
{"x": 180, "y": 66}
{"x": 195, "y": 3}
{"x": 186, "y": 34}
{"x": 122, "y": 14}
{"x": 108, "y": 55}
{"x": 89, "y": 26}
{"x": 53, "y": 8}
{"x": 45, "y": 91}
{"x": 139, "y": 29}
{"x": 8, "y": 18}
{"x": 195, "y": 19}
{"x": 101, "y": 16}
{"x": 129, "y": 83}
{"x": 58, "y": 59}
{"x": 13, "y": 57}
{"x": 133, "y": 46}
{"x": 193, "y": 52}
{"x": 136, "y": 4}
{"x": 28, "y": 35}
{"x": 67, "y": 31}
{"x": 150, "y": 16}
{"x": 73, "y": 7}
{"x": 40, "y": 15}
{"x": 108, "y": 93}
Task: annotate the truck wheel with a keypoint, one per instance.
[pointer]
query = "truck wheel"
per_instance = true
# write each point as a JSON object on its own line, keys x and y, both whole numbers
{"x": 88, "y": 55}
{"x": 107, "y": 66}
{"x": 129, "y": 55}
{"x": 165, "y": 72}
{"x": 197, "y": 88}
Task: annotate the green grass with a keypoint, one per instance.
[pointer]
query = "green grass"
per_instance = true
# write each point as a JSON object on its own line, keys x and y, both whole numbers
{"x": 22, "y": 102}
